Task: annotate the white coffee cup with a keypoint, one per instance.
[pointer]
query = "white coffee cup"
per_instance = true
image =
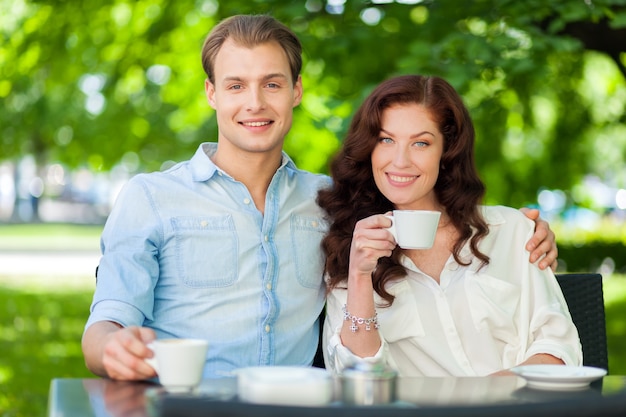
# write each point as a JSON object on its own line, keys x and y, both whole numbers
{"x": 414, "y": 229}
{"x": 179, "y": 363}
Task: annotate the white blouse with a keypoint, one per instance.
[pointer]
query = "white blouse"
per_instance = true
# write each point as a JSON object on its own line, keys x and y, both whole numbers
{"x": 475, "y": 322}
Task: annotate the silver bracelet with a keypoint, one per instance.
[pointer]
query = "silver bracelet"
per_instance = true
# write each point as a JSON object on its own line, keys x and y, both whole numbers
{"x": 356, "y": 321}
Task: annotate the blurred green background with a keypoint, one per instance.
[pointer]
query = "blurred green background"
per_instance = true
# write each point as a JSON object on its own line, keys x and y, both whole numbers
{"x": 118, "y": 84}
{"x": 93, "y": 92}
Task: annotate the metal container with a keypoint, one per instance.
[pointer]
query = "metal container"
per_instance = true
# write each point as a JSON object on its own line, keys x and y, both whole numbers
{"x": 368, "y": 384}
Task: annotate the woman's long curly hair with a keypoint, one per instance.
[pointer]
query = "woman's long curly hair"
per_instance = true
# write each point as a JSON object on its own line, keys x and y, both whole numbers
{"x": 354, "y": 194}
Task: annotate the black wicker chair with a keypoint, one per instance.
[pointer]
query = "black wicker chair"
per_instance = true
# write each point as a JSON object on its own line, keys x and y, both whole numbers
{"x": 585, "y": 299}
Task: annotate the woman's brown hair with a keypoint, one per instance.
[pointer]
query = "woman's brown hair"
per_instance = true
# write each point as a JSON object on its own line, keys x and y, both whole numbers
{"x": 354, "y": 194}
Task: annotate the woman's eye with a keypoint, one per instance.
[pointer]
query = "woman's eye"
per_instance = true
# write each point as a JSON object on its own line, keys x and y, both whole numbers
{"x": 385, "y": 140}
{"x": 420, "y": 144}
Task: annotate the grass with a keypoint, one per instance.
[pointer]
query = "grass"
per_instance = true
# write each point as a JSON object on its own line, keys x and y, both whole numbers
{"x": 40, "y": 335}
{"x": 615, "y": 309}
{"x": 42, "y": 319}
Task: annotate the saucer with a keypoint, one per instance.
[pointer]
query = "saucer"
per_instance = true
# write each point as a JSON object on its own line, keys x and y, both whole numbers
{"x": 285, "y": 385}
{"x": 558, "y": 377}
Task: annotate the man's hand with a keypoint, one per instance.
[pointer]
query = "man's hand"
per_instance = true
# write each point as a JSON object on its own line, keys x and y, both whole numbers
{"x": 117, "y": 352}
{"x": 543, "y": 242}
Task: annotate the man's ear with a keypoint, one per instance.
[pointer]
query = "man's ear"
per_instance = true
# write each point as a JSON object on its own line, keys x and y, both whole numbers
{"x": 209, "y": 91}
{"x": 297, "y": 91}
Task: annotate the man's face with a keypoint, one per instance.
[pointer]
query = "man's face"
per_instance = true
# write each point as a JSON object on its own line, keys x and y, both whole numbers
{"x": 253, "y": 96}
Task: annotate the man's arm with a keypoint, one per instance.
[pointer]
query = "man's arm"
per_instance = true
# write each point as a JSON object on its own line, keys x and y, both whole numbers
{"x": 543, "y": 242}
{"x": 118, "y": 352}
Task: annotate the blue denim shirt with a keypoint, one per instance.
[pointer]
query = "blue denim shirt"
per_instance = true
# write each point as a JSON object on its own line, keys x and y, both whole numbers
{"x": 186, "y": 253}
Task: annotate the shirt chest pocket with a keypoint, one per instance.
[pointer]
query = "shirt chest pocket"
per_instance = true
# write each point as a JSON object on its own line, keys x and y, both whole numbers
{"x": 206, "y": 250}
{"x": 402, "y": 320}
{"x": 494, "y": 305}
{"x": 307, "y": 233}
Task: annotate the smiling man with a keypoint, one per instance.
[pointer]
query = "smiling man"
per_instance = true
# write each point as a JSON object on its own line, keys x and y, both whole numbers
{"x": 225, "y": 246}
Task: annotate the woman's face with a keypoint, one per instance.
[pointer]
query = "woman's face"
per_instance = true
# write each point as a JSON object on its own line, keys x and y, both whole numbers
{"x": 405, "y": 161}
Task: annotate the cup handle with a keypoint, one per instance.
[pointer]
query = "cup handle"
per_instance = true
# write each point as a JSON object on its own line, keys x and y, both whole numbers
{"x": 151, "y": 361}
{"x": 392, "y": 228}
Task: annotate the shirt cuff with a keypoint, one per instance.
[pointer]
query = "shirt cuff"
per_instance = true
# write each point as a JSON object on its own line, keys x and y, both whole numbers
{"x": 568, "y": 354}
{"x": 342, "y": 357}
{"x": 117, "y": 312}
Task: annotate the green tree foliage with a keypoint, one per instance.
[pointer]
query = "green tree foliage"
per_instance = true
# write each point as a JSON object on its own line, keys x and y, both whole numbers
{"x": 98, "y": 83}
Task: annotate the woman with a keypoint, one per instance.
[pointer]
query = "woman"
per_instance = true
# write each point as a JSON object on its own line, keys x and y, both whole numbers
{"x": 472, "y": 304}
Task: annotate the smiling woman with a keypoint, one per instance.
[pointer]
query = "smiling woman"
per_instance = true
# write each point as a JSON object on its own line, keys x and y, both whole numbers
{"x": 473, "y": 303}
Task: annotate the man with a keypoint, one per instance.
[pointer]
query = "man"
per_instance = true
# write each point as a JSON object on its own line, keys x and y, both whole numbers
{"x": 224, "y": 246}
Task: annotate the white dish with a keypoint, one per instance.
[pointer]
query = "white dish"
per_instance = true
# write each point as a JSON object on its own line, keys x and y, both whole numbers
{"x": 558, "y": 377}
{"x": 285, "y": 385}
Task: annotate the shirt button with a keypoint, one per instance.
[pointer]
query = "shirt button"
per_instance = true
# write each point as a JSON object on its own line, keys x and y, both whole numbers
{"x": 246, "y": 201}
{"x": 219, "y": 173}
{"x": 268, "y": 286}
{"x": 204, "y": 223}
{"x": 267, "y": 328}
{"x": 266, "y": 238}
{"x": 313, "y": 224}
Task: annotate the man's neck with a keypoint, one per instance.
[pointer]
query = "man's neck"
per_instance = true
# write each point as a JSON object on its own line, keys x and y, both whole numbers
{"x": 254, "y": 170}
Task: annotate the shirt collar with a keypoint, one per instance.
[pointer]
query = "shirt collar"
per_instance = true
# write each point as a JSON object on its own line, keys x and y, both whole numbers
{"x": 203, "y": 168}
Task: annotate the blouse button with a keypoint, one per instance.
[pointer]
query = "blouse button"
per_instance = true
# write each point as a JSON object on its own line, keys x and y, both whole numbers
{"x": 246, "y": 201}
{"x": 267, "y": 328}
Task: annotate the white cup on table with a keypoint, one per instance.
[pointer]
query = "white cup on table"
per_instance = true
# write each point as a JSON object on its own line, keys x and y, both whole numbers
{"x": 179, "y": 363}
{"x": 414, "y": 229}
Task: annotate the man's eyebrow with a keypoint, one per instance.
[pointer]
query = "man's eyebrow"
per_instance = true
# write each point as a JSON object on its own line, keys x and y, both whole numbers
{"x": 274, "y": 75}
{"x": 264, "y": 78}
